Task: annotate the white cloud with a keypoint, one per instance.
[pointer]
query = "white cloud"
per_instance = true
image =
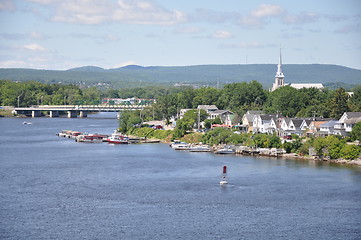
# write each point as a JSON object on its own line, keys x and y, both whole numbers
{"x": 7, "y": 5}
{"x": 34, "y": 47}
{"x": 221, "y": 34}
{"x": 243, "y": 45}
{"x": 302, "y": 18}
{"x": 267, "y": 10}
{"x": 256, "y": 19}
{"x": 100, "y": 11}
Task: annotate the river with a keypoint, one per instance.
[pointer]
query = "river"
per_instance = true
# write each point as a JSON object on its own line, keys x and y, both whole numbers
{"x": 55, "y": 188}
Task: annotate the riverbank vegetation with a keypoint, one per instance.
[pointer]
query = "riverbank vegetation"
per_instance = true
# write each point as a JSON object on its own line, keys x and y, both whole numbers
{"x": 236, "y": 97}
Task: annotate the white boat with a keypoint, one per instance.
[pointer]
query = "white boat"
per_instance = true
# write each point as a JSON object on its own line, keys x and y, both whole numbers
{"x": 118, "y": 139}
{"x": 225, "y": 151}
{"x": 27, "y": 123}
{"x": 199, "y": 148}
{"x": 177, "y": 145}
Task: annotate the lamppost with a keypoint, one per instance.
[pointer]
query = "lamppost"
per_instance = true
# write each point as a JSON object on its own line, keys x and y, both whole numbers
{"x": 42, "y": 97}
{"x": 19, "y": 100}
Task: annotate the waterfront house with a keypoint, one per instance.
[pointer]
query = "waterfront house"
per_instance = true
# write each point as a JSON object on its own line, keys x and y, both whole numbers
{"x": 208, "y": 108}
{"x": 305, "y": 124}
{"x": 314, "y": 128}
{"x": 344, "y": 126}
{"x": 349, "y": 123}
{"x": 247, "y": 119}
{"x": 266, "y": 123}
{"x": 327, "y": 128}
{"x": 294, "y": 126}
{"x": 224, "y": 115}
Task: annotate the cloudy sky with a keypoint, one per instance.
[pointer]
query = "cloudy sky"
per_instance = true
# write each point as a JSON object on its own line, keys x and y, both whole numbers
{"x": 62, "y": 34}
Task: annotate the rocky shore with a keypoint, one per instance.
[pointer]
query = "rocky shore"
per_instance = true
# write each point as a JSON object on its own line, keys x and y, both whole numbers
{"x": 337, "y": 161}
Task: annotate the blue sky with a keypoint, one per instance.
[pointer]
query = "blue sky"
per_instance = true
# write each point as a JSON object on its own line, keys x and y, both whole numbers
{"x": 62, "y": 34}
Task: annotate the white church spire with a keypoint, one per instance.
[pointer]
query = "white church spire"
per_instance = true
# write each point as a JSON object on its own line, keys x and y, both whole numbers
{"x": 279, "y": 67}
{"x": 279, "y": 79}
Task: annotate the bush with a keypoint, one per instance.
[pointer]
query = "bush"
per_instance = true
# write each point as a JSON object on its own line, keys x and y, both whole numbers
{"x": 350, "y": 152}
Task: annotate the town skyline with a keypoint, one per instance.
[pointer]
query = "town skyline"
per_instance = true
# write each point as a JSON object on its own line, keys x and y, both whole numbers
{"x": 59, "y": 35}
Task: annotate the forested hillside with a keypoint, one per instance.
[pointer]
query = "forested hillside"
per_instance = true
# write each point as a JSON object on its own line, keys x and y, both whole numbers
{"x": 203, "y": 75}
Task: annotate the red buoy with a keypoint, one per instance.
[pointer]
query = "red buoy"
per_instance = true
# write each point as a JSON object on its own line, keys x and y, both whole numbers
{"x": 224, "y": 169}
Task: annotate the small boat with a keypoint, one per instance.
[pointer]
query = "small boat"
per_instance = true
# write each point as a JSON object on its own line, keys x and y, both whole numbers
{"x": 225, "y": 151}
{"x": 199, "y": 148}
{"x": 118, "y": 139}
{"x": 177, "y": 145}
{"x": 28, "y": 123}
{"x": 89, "y": 138}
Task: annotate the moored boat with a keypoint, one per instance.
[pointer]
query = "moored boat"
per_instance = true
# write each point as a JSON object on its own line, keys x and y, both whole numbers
{"x": 200, "y": 148}
{"x": 116, "y": 138}
{"x": 177, "y": 145}
{"x": 90, "y": 138}
{"x": 225, "y": 151}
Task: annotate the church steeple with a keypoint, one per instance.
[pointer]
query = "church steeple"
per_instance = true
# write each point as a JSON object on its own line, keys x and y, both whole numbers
{"x": 279, "y": 78}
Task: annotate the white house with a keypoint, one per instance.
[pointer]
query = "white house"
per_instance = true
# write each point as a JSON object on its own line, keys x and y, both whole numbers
{"x": 265, "y": 123}
{"x": 208, "y": 108}
{"x": 224, "y": 115}
{"x": 344, "y": 125}
{"x": 293, "y": 126}
{"x": 328, "y": 128}
{"x": 248, "y": 118}
{"x": 349, "y": 123}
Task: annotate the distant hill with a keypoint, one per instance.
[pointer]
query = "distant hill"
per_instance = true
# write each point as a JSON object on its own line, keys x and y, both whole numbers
{"x": 205, "y": 75}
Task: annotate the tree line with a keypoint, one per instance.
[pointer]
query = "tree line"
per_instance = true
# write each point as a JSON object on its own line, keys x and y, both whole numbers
{"x": 25, "y": 94}
{"x": 236, "y": 97}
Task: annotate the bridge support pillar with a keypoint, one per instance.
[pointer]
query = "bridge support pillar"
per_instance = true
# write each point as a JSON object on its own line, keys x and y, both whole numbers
{"x": 83, "y": 114}
{"x": 35, "y": 113}
{"x": 53, "y": 114}
{"x": 72, "y": 114}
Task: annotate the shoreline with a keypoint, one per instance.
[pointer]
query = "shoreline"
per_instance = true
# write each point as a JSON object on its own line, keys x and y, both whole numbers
{"x": 356, "y": 162}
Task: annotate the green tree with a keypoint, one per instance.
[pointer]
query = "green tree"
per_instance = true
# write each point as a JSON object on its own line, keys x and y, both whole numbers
{"x": 338, "y": 104}
{"x": 350, "y": 152}
{"x": 355, "y": 100}
{"x": 286, "y": 100}
{"x": 127, "y": 121}
{"x": 356, "y": 132}
{"x": 183, "y": 126}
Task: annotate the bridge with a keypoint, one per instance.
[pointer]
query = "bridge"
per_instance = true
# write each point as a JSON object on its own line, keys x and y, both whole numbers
{"x": 74, "y": 110}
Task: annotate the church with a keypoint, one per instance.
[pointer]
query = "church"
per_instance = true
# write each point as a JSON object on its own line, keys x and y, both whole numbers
{"x": 280, "y": 77}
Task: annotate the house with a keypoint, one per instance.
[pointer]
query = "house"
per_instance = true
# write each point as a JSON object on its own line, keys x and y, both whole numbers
{"x": 328, "y": 128}
{"x": 307, "y": 85}
{"x": 345, "y": 122}
{"x": 291, "y": 126}
{"x": 305, "y": 124}
{"x": 266, "y": 123}
{"x": 314, "y": 128}
{"x": 208, "y": 108}
{"x": 247, "y": 118}
{"x": 349, "y": 123}
{"x": 224, "y": 115}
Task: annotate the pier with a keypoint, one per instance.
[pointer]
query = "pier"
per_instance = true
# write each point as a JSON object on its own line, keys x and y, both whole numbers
{"x": 74, "y": 111}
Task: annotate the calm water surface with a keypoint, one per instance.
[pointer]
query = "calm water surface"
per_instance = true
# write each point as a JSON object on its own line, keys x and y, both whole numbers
{"x": 55, "y": 188}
